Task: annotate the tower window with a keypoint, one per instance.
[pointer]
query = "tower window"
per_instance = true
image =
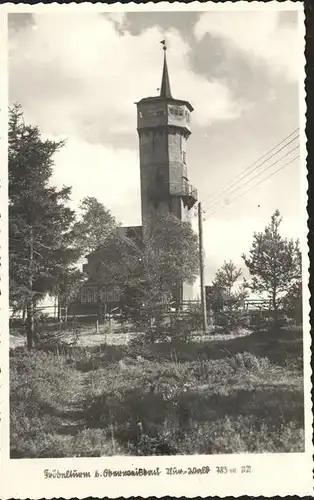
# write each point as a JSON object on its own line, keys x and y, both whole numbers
{"x": 179, "y": 112}
{"x": 184, "y": 157}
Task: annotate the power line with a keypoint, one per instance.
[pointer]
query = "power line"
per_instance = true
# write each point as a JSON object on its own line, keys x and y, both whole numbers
{"x": 259, "y": 173}
{"x": 251, "y": 168}
{"x": 262, "y": 180}
{"x": 238, "y": 185}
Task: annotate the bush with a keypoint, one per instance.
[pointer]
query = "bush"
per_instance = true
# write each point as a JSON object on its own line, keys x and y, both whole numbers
{"x": 86, "y": 443}
{"x": 249, "y": 362}
{"x": 230, "y": 320}
{"x": 125, "y": 403}
{"x": 39, "y": 384}
{"x": 174, "y": 328}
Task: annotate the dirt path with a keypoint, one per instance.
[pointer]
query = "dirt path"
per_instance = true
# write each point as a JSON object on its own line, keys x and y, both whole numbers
{"x": 88, "y": 339}
{"x": 71, "y": 415}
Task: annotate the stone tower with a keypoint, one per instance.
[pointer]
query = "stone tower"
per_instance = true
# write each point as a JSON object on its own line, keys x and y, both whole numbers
{"x": 163, "y": 125}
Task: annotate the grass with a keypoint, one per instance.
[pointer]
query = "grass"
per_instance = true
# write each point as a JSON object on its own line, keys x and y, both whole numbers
{"x": 237, "y": 396}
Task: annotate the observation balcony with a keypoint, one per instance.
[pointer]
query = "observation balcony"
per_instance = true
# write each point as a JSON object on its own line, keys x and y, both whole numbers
{"x": 189, "y": 195}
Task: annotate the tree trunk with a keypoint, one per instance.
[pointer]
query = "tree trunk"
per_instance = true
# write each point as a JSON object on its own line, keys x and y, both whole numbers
{"x": 55, "y": 308}
{"x": 24, "y": 315}
{"x": 275, "y": 306}
{"x": 59, "y": 308}
{"x": 99, "y": 305}
{"x": 30, "y": 326}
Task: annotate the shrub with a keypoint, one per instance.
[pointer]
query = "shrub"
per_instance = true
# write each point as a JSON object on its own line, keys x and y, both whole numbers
{"x": 230, "y": 320}
{"x": 247, "y": 361}
{"x": 130, "y": 404}
{"x": 86, "y": 443}
{"x": 242, "y": 434}
{"x": 39, "y": 385}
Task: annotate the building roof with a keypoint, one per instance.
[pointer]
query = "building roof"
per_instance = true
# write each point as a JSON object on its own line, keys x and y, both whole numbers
{"x": 169, "y": 100}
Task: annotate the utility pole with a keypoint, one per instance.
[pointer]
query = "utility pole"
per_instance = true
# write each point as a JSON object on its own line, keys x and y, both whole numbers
{"x": 201, "y": 258}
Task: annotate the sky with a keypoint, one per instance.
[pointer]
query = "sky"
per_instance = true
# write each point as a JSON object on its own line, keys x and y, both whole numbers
{"x": 78, "y": 76}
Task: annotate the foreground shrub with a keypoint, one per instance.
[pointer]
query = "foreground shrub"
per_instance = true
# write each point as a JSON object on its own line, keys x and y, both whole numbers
{"x": 248, "y": 361}
{"x": 39, "y": 386}
{"x": 86, "y": 443}
{"x": 229, "y": 404}
{"x": 122, "y": 403}
{"x": 230, "y": 320}
{"x": 242, "y": 435}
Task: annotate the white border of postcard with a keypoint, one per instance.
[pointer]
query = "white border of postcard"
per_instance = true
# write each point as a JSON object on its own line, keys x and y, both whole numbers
{"x": 270, "y": 474}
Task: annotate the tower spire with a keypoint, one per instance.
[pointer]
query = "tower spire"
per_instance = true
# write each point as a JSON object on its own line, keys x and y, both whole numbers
{"x": 165, "y": 83}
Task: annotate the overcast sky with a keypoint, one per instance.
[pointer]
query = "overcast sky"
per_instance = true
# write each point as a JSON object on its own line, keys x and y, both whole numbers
{"x": 78, "y": 76}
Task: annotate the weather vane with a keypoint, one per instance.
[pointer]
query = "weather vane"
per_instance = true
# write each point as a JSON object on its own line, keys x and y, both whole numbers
{"x": 164, "y": 45}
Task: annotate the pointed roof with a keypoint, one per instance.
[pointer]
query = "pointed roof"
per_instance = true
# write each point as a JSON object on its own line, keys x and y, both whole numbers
{"x": 165, "y": 91}
{"x": 165, "y": 83}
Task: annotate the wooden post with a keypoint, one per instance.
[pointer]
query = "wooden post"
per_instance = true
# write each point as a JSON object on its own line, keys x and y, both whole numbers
{"x": 201, "y": 260}
{"x": 97, "y": 326}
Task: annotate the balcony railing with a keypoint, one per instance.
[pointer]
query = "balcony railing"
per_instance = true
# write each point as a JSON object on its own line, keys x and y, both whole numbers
{"x": 189, "y": 195}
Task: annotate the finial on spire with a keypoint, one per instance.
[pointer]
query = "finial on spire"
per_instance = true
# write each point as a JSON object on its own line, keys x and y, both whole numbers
{"x": 165, "y": 83}
{"x": 164, "y": 45}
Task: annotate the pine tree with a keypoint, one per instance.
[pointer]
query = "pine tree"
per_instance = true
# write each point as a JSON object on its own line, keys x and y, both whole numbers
{"x": 40, "y": 223}
{"x": 95, "y": 225}
{"x": 274, "y": 263}
{"x": 149, "y": 273}
{"x": 292, "y": 302}
{"x": 228, "y": 293}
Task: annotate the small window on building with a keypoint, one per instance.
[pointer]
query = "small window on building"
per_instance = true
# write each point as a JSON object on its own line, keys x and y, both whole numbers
{"x": 91, "y": 295}
{"x": 110, "y": 294}
{"x": 83, "y": 295}
{"x": 184, "y": 157}
{"x": 102, "y": 293}
{"x": 116, "y": 293}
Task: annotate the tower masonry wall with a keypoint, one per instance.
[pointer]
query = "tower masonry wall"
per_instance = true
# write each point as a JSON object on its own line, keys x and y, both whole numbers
{"x": 163, "y": 127}
{"x": 151, "y": 114}
{"x": 153, "y": 146}
{"x": 154, "y": 163}
{"x": 177, "y": 162}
